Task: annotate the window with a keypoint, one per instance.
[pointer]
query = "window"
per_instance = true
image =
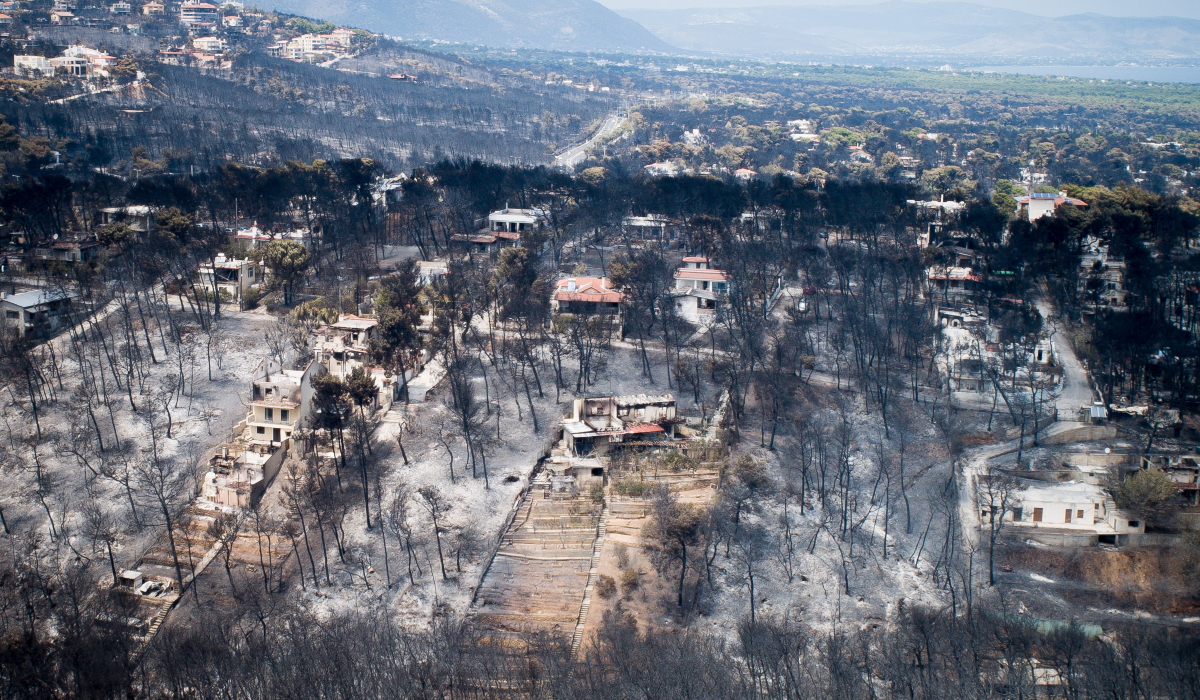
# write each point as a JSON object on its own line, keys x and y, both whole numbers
{"x": 1079, "y": 514}
{"x": 1017, "y": 513}
{"x": 261, "y": 430}
{"x": 1037, "y": 515}
{"x": 283, "y": 418}
{"x": 269, "y": 414}
{"x": 13, "y": 314}
{"x": 1134, "y": 523}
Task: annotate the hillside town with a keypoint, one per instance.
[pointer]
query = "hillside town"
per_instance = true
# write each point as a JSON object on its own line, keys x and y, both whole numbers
{"x": 337, "y": 365}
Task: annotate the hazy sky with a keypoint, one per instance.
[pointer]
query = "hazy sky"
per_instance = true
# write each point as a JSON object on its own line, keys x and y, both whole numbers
{"x": 1125, "y": 8}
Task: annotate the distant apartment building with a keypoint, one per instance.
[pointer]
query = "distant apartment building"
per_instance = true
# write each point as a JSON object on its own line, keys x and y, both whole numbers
{"x": 193, "y": 13}
{"x": 154, "y": 8}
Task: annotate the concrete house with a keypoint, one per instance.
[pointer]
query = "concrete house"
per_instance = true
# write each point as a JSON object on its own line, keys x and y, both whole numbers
{"x": 586, "y": 296}
{"x": 346, "y": 345}
{"x": 32, "y": 66}
{"x": 36, "y": 314}
{"x": 699, "y": 289}
{"x": 230, "y": 275}
{"x": 650, "y": 228}
{"x": 1074, "y": 512}
{"x": 139, "y": 218}
{"x": 518, "y": 221}
{"x": 239, "y": 473}
{"x": 595, "y": 423}
{"x": 280, "y": 399}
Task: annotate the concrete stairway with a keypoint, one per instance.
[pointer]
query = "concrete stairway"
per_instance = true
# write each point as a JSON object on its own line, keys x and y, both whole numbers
{"x": 593, "y": 574}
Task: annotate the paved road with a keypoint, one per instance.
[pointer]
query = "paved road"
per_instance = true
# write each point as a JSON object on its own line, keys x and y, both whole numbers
{"x": 1076, "y": 390}
{"x": 577, "y": 154}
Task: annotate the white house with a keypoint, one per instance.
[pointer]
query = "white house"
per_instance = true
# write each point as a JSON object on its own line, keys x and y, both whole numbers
{"x": 29, "y": 65}
{"x": 514, "y": 221}
{"x": 1037, "y": 205}
{"x": 280, "y": 399}
{"x": 699, "y": 289}
{"x": 1071, "y": 512}
{"x": 231, "y": 275}
{"x": 39, "y": 313}
{"x": 191, "y": 13}
{"x": 211, "y": 44}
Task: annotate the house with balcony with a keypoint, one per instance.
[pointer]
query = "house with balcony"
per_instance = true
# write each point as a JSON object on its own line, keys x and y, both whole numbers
{"x": 230, "y": 275}
{"x": 32, "y": 66}
{"x": 194, "y": 13}
{"x": 504, "y": 228}
{"x": 952, "y": 282}
{"x": 280, "y": 399}
{"x": 699, "y": 289}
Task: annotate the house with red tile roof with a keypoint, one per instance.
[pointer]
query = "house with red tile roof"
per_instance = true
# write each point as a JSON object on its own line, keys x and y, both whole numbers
{"x": 586, "y": 296}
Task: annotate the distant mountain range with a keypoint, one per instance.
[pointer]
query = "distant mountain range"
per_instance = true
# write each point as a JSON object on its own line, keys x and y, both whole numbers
{"x": 897, "y": 29}
{"x": 565, "y": 25}
{"x": 918, "y": 29}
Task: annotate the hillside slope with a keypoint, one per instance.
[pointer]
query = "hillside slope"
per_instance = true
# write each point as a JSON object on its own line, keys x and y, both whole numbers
{"x": 567, "y": 25}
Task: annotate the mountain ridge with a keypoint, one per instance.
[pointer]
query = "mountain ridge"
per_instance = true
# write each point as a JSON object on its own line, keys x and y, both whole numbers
{"x": 565, "y": 25}
{"x": 911, "y": 28}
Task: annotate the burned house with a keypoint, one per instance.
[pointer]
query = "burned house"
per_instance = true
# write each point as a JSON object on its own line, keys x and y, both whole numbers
{"x": 239, "y": 473}
{"x": 596, "y": 423}
{"x": 345, "y": 346}
{"x": 280, "y": 400}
